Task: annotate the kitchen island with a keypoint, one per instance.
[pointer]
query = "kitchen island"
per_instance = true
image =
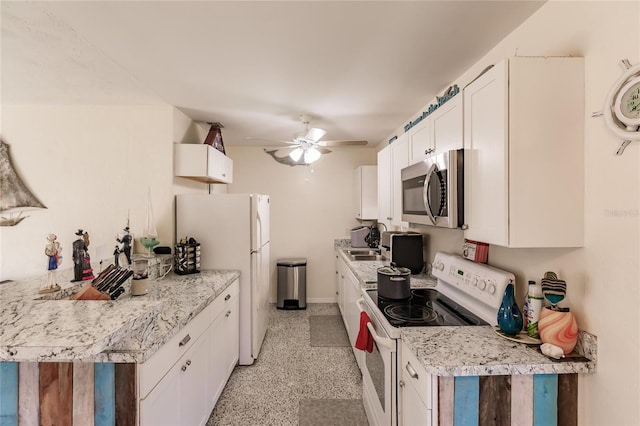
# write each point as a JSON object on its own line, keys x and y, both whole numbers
{"x": 100, "y": 362}
{"x": 471, "y": 375}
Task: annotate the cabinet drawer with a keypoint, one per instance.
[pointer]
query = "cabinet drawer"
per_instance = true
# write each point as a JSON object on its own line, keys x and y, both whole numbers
{"x": 160, "y": 363}
{"x": 414, "y": 374}
{"x": 225, "y": 300}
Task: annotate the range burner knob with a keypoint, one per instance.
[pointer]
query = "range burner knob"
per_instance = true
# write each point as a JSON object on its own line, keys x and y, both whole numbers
{"x": 439, "y": 266}
{"x": 474, "y": 282}
{"x": 492, "y": 289}
{"x": 482, "y": 285}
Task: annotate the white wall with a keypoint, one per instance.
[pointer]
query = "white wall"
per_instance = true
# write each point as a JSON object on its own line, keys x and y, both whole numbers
{"x": 603, "y": 277}
{"x": 92, "y": 167}
{"x": 310, "y": 207}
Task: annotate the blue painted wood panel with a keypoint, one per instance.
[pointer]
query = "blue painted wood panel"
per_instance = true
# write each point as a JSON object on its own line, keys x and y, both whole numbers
{"x": 105, "y": 394}
{"x": 545, "y": 400}
{"x": 8, "y": 393}
{"x": 466, "y": 401}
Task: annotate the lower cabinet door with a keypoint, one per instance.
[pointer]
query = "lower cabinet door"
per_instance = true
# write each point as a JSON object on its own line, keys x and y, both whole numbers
{"x": 162, "y": 406}
{"x": 194, "y": 373}
{"x": 414, "y": 412}
{"x": 180, "y": 398}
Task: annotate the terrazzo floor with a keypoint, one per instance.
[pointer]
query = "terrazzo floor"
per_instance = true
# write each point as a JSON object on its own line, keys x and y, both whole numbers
{"x": 292, "y": 382}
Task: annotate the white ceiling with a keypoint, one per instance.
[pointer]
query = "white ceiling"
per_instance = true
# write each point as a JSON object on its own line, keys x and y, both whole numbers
{"x": 361, "y": 69}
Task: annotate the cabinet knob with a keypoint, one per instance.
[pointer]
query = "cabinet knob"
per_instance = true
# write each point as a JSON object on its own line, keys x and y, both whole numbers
{"x": 227, "y": 297}
{"x": 227, "y": 314}
{"x": 224, "y": 175}
{"x": 428, "y": 151}
{"x": 401, "y": 383}
{"x": 188, "y": 362}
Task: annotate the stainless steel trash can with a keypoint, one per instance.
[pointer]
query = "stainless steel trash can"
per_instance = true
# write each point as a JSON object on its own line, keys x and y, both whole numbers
{"x": 292, "y": 283}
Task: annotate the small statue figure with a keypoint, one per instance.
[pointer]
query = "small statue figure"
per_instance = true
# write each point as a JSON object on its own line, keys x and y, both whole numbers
{"x": 82, "y": 270}
{"x": 87, "y": 270}
{"x": 52, "y": 250}
{"x": 126, "y": 243}
{"x": 116, "y": 256}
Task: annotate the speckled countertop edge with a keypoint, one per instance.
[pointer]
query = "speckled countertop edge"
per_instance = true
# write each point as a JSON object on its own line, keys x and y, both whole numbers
{"x": 131, "y": 329}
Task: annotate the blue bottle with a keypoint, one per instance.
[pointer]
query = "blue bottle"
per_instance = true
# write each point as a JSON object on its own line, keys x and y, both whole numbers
{"x": 510, "y": 318}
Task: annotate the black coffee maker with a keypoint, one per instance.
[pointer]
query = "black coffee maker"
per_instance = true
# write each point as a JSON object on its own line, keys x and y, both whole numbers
{"x": 373, "y": 238}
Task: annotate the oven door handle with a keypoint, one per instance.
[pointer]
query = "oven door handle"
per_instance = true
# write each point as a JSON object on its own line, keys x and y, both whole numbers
{"x": 384, "y": 341}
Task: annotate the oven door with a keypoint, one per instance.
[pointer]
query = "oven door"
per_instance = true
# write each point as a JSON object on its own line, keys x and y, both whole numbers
{"x": 379, "y": 381}
{"x": 432, "y": 191}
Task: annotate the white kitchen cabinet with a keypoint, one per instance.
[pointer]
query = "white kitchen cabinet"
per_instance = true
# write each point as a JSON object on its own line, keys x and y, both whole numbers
{"x": 418, "y": 392}
{"x": 391, "y": 160}
{"x": 180, "y": 397}
{"x": 384, "y": 186}
{"x": 421, "y": 140}
{"x": 225, "y": 342}
{"x": 524, "y": 155}
{"x": 438, "y": 132}
{"x": 202, "y": 162}
{"x": 366, "y": 192}
{"x": 399, "y": 160}
{"x": 182, "y": 381}
{"x": 340, "y": 266}
{"x": 447, "y": 125}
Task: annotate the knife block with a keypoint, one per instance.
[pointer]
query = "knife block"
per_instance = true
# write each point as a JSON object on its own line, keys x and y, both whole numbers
{"x": 88, "y": 292}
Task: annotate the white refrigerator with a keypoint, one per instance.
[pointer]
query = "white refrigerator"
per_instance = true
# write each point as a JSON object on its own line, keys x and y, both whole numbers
{"x": 233, "y": 232}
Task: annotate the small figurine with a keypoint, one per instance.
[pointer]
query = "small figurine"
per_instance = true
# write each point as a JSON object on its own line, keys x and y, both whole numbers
{"x": 52, "y": 250}
{"x": 116, "y": 256}
{"x": 87, "y": 270}
{"x": 82, "y": 270}
{"x": 126, "y": 243}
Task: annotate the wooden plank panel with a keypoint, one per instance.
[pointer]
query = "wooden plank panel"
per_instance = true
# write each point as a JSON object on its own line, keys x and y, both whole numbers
{"x": 445, "y": 401}
{"x": 522, "y": 399}
{"x": 56, "y": 393}
{"x": 494, "y": 401}
{"x": 125, "y": 386}
{"x": 28, "y": 394}
{"x": 466, "y": 400}
{"x": 104, "y": 394}
{"x": 568, "y": 400}
{"x": 545, "y": 399}
{"x": 8, "y": 393}
{"x": 83, "y": 395}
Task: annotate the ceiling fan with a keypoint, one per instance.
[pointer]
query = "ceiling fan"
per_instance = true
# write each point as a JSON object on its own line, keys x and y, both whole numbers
{"x": 307, "y": 147}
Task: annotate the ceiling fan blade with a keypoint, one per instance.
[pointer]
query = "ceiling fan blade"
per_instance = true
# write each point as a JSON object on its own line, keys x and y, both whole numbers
{"x": 314, "y": 134}
{"x": 266, "y": 140}
{"x": 341, "y": 143}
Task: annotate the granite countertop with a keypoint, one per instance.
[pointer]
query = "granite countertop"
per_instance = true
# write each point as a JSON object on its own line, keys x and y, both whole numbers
{"x": 474, "y": 351}
{"x": 36, "y": 327}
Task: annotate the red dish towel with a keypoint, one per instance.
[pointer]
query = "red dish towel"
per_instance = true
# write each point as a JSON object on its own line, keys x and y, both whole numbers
{"x": 364, "y": 342}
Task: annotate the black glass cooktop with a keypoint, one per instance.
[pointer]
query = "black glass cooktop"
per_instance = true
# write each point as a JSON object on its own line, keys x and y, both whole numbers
{"x": 425, "y": 307}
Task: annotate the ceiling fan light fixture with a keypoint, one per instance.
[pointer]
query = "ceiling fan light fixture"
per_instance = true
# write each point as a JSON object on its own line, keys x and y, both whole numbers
{"x": 311, "y": 155}
{"x": 296, "y": 154}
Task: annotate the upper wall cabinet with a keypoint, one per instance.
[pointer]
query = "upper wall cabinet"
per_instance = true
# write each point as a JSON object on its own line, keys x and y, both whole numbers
{"x": 439, "y": 131}
{"x": 524, "y": 155}
{"x": 391, "y": 160}
{"x": 202, "y": 162}
{"x": 366, "y": 191}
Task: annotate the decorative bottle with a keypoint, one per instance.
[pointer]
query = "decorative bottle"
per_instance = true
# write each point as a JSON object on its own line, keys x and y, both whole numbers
{"x": 510, "y": 318}
{"x": 534, "y": 306}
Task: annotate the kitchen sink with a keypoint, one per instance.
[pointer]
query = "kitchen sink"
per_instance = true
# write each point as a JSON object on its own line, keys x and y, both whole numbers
{"x": 364, "y": 254}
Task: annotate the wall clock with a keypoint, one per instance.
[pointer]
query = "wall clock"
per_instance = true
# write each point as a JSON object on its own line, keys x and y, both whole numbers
{"x": 622, "y": 106}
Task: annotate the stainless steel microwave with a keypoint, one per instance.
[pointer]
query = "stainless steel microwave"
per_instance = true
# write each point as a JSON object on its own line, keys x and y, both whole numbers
{"x": 433, "y": 191}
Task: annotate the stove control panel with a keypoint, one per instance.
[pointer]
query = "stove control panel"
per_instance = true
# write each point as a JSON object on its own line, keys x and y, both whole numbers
{"x": 477, "y": 286}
